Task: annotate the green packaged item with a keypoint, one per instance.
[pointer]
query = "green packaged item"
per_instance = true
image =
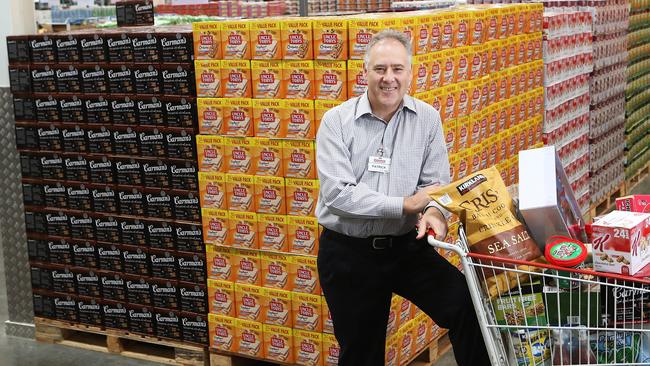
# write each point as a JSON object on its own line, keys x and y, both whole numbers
{"x": 615, "y": 347}
{"x": 576, "y": 307}
{"x": 520, "y": 310}
{"x": 531, "y": 347}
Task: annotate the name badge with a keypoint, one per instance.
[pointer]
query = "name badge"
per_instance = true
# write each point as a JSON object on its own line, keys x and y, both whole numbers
{"x": 378, "y": 164}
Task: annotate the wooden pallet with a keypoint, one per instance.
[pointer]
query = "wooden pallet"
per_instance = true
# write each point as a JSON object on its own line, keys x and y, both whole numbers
{"x": 120, "y": 342}
{"x": 607, "y": 202}
{"x": 432, "y": 353}
{"x": 637, "y": 178}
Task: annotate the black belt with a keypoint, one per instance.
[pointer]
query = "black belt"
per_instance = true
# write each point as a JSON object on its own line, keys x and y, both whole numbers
{"x": 379, "y": 242}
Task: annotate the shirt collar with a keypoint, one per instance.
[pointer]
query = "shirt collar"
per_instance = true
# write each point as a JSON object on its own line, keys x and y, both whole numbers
{"x": 363, "y": 107}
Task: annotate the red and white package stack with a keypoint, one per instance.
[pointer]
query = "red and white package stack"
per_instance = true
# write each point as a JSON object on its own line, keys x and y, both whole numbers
{"x": 568, "y": 62}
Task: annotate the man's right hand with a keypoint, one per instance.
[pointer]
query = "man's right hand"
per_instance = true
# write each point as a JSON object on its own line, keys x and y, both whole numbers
{"x": 417, "y": 202}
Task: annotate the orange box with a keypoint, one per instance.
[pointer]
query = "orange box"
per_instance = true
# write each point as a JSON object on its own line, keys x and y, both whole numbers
{"x": 215, "y": 226}
{"x": 477, "y": 62}
{"x": 276, "y": 305}
{"x": 463, "y": 91}
{"x": 221, "y": 297}
{"x": 436, "y": 71}
{"x": 477, "y": 26}
{"x": 503, "y": 13}
{"x": 222, "y": 333}
{"x": 270, "y": 195}
{"x": 272, "y": 232}
{"x": 236, "y": 78}
{"x": 449, "y": 29}
{"x": 391, "y": 353}
{"x": 463, "y": 127}
{"x": 210, "y": 151}
{"x": 208, "y": 78}
{"x": 307, "y": 348}
{"x": 492, "y": 115}
{"x": 437, "y": 29}
{"x": 462, "y": 57}
{"x": 408, "y": 26}
{"x": 268, "y": 157}
{"x": 299, "y": 79}
{"x": 266, "y": 39}
{"x": 492, "y": 24}
{"x": 297, "y": 39}
{"x": 267, "y": 79}
{"x": 449, "y": 102}
{"x": 322, "y": 106}
{"x": 275, "y": 270}
{"x": 298, "y": 119}
{"x": 361, "y": 30}
{"x": 267, "y": 116}
{"x": 240, "y": 192}
{"x": 239, "y": 155}
{"x": 449, "y": 67}
{"x": 330, "y": 38}
{"x": 421, "y": 68}
{"x": 249, "y": 338}
{"x": 306, "y": 310}
{"x": 278, "y": 343}
{"x": 235, "y": 38}
{"x": 357, "y": 83}
{"x": 302, "y": 195}
{"x": 422, "y": 34}
{"x": 331, "y": 350}
{"x": 219, "y": 263}
{"x": 451, "y": 131}
{"x": 462, "y": 25}
{"x": 463, "y": 163}
{"x": 393, "y": 316}
{"x": 420, "y": 331}
{"x": 249, "y": 302}
{"x": 299, "y": 159}
{"x": 210, "y": 115}
{"x": 404, "y": 310}
{"x": 242, "y": 229}
{"x": 330, "y": 80}
{"x": 212, "y": 190}
{"x": 303, "y": 235}
{"x": 328, "y": 325}
{"x": 303, "y": 274}
{"x": 247, "y": 266}
{"x": 453, "y": 166}
{"x": 238, "y": 117}
{"x": 405, "y": 341}
{"x": 207, "y": 40}
{"x": 474, "y": 94}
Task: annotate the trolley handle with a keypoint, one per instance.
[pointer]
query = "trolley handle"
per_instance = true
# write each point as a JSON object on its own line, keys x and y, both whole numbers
{"x": 431, "y": 238}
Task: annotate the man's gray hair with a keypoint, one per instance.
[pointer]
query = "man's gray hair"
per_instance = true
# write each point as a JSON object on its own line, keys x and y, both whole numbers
{"x": 389, "y": 34}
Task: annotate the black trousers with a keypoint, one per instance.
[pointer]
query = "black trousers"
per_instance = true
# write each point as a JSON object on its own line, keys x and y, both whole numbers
{"x": 358, "y": 280}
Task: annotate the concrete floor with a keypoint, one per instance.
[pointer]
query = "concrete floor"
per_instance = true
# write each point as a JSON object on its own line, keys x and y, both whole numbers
{"x": 26, "y": 352}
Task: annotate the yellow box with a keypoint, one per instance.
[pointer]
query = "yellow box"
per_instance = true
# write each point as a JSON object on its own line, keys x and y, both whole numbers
{"x": 331, "y": 350}
{"x": 451, "y": 131}
{"x": 270, "y": 195}
{"x": 303, "y": 274}
{"x": 361, "y": 30}
{"x": 222, "y": 333}
{"x": 449, "y": 66}
{"x": 275, "y": 270}
{"x": 449, "y": 102}
{"x": 208, "y": 78}
{"x": 221, "y": 297}
{"x": 322, "y": 106}
{"x": 308, "y": 347}
{"x": 247, "y": 266}
{"x": 297, "y": 39}
{"x": 268, "y": 156}
{"x": 235, "y": 38}
{"x": 408, "y": 24}
{"x": 391, "y": 353}
{"x": 330, "y": 80}
{"x": 491, "y": 24}
{"x": 212, "y": 190}
{"x": 303, "y": 235}
{"x": 449, "y": 29}
{"x": 298, "y": 119}
{"x": 238, "y": 117}
{"x": 249, "y": 302}
{"x": 299, "y": 79}
{"x": 219, "y": 263}
{"x": 207, "y": 40}
{"x": 462, "y": 94}
{"x": 302, "y": 195}
{"x": 276, "y": 305}
{"x": 405, "y": 341}
{"x": 239, "y": 155}
{"x": 463, "y": 19}
{"x": 393, "y": 315}
{"x": 299, "y": 158}
{"x": 272, "y": 232}
{"x": 249, "y": 337}
{"x": 306, "y": 309}
{"x": 421, "y": 68}
{"x": 240, "y": 192}
{"x": 210, "y": 115}
{"x": 266, "y": 39}
{"x": 328, "y": 325}
{"x": 330, "y": 38}
{"x": 477, "y": 26}
{"x": 278, "y": 343}
{"x": 422, "y": 34}
{"x": 267, "y": 79}
{"x": 420, "y": 331}
{"x": 215, "y": 226}
{"x": 267, "y": 117}
{"x": 357, "y": 83}
{"x": 236, "y": 78}
{"x": 242, "y": 227}
{"x": 210, "y": 151}
{"x": 436, "y": 71}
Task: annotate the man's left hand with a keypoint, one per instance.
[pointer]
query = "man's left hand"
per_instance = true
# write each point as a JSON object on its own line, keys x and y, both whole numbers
{"x": 432, "y": 219}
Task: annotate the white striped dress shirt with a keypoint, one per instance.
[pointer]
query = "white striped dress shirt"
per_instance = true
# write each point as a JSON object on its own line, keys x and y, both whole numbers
{"x": 357, "y": 202}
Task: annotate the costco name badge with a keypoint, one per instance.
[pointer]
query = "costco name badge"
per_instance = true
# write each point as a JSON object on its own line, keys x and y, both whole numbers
{"x": 378, "y": 164}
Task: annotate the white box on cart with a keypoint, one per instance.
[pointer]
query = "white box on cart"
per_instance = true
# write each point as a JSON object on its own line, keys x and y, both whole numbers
{"x": 621, "y": 242}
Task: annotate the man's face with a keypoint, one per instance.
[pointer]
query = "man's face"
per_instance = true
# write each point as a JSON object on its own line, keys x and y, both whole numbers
{"x": 388, "y": 73}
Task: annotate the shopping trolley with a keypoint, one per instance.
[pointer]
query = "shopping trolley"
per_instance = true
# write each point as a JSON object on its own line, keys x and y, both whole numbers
{"x": 539, "y": 314}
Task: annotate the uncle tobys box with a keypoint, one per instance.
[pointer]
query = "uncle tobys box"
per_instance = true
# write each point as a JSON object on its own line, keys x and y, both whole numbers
{"x": 242, "y": 227}
{"x": 236, "y": 78}
{"x": 266, "y": 40}
{"x": 303, "y": 274}
{"x": 270, "y": 195}
{"x": 222, "y": 332}
{"x": 297, "y": 39}
{"x": 307, "y": 311}
{"x": 215, "y": 226}
{"x": 272, "y": 232}
{"x": 268, "y": 157}
{"x": 307, "y": 348}
{"x": 220, "y": 263}
{"x": 275, "y": 270}
{"x": 249, "y": 302}
{"x": 208, "y": 78}
{"x": 212, "y": 190}
{"x": 276, "y": 305}
{"x": 210, "y": 115}
{"x": 267, "y": 115}
{"x": 240, "y": 192}
{"x": 330, "y": 38}
{"x": 267, "y": 79}
{"x": 330, "y": 80}
{"x": 303, "y": 235}
{"x": 299, "y": 79}
{"x": 249, "y": 338}
{"x": 298, "y": 118}
{"x": 207, "y": 40}
{"x": 221, "y": 298}
{"x": 278, "y": 343}
{"x": 235, "y": 38}
{"x": 302, "y": 195}
{"x": 299, "y": 159}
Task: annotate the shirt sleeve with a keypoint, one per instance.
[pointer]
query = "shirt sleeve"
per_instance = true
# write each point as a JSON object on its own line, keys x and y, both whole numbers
{"x": 339, "y": 190}
{"x": 435, "y": 168}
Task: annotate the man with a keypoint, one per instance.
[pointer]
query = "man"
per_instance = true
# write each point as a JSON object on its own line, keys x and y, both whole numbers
{"x": 379, "y": 155}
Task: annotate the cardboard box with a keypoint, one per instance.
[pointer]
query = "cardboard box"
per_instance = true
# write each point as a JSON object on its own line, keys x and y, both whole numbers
{"x": 266, "y": 39}
{"x": 297, "y": 39}
{"x": 222, "y": 333}
{"x": 393, "y": 315}
{"x": 268, "y": 157}
{"x": 634, "y": 203}
{"x": 242, "y": 229}
{"x": 299, "y": 159}
{"x": 236, "y": 78}
{"x": 307, "y": 311}
{"x": 357, "y": 83}
{"x": 330, "y": 80}
{"x": 239, "y": 155}
{"x": 308, "y": 348}
{"x": 275, "y": 270}
{"x": 302, "y": 195}
{"x": 247, "y": 266}
{"x": 272, "y": 232}
{"x": 422, "y": 34}
{"x": 267, "y": 79}
{"x": 407, "y": 24}
{"x": 303, "y": 235}
{"x": 298, "y": 118}
{"x": 360, "y": 32}
{"x": 420, "y": 330}
{"x": 620, "y": 241}
{"x": 221, "y": 297}
{"x": 208, "y": 78}
{"x": 303, "y": 275}
{"x": 330, "y": 38}
{"x": 328, "y": 325}
{"x": 238, "y": 117}
{"x": 267, "y": 116}
{"x": 391, "y": 352}
{"x": 240, "y": 192}
{"x": 207, "y": 40}
{"x": 331, "y": 350}
{"x": 249, "y": 338}
{"x": 215, "y": 226}
{"x": 249, "y": 302}
{"x": 210, "y": 115}
{"x": 276, "y": 305}
{"x": 421, "y": 68}
{"x": 278, "y": 343}
{"x": 299, "y": 79}
{"x": 405, "y": 342}
{"x": 270, "y": 195}
{"x": 322, "y": 106}
{"x": 212, "y": 190}
{"x": 449, "y": 102}
{"x": 235, "y": 38}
